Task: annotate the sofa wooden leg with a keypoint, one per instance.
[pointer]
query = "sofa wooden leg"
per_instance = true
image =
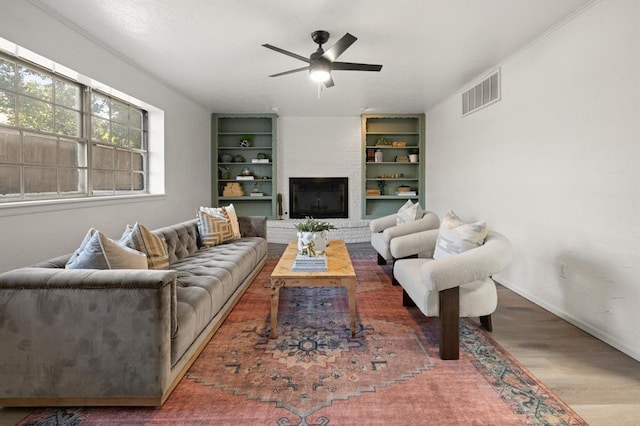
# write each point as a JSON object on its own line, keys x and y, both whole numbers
{"x": 485, "y": 320}
{"x": 381, "y": 260}
{"x": 450, "y": 323}
{"x": 406, "y": 300}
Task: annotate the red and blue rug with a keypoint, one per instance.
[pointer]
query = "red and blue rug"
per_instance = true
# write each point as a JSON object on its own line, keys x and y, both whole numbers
{"x": 315, "y": 373}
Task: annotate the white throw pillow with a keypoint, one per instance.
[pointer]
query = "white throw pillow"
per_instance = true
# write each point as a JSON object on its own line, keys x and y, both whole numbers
{"x": 97, "y": 251}
{"x": 455, "y": 236}
{"x": 408, "y": 213}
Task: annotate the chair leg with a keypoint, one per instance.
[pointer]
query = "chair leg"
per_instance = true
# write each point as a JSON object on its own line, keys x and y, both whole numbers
{"x": 381, "y": 260}
{"x": 485, "y": 320}
{"x": 406, "y": 300}
{"x": 394, "y": 281}
{"x": 450, "y": 323}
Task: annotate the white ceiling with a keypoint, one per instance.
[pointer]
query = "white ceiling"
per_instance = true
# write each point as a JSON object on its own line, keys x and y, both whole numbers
{"x": 211, "y": 50}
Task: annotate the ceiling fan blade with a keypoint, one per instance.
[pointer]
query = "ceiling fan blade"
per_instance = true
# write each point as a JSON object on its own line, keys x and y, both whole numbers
{"x": 329, "y": 83}
{"x": 286, "y": 52}
{"x": 339, "y": 48}
{"x": 290, "y": 72}
{"x": 351, "y": 66}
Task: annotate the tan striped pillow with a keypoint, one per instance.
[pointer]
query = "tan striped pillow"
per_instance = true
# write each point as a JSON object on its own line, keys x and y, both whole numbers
{"x": 214, "y": 230}
{"x": 231, "y": 215}
{"x": 138, "y": 237}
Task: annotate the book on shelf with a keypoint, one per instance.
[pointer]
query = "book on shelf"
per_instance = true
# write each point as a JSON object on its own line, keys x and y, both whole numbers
{"x": 406, "y": 193}
{"x": 242, "y": 177}
{"x": 256, "y": 194}
{"x": 260, "y": 160}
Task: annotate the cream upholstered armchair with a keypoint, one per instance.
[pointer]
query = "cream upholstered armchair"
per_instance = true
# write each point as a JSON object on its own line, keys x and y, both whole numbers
{"x": 386, "y": 228}
{"x": 451, "y": 287}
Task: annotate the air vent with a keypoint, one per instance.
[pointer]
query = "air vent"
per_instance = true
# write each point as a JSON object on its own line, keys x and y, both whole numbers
{"x": 482, "y": 94}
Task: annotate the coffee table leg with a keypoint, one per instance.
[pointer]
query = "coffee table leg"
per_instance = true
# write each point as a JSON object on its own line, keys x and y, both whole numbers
{"x": 350, "y": 284}
{"x": 276, "y": 284}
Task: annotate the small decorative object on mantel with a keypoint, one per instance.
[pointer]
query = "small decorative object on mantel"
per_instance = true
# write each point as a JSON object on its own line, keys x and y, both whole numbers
{"x": 315, "y": 231}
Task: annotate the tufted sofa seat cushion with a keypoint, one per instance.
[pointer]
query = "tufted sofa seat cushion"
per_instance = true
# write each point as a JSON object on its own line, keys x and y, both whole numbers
{"x": 207, "y": 278}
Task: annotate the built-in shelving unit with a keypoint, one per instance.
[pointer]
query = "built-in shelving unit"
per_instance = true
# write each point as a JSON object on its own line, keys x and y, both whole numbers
{"x": 230, "y": 158}
{"x": 394, "y": 137}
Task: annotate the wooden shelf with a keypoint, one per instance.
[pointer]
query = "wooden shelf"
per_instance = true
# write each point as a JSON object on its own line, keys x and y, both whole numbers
{"x": 393, "y": 127}
{"x": 226, "y": 130}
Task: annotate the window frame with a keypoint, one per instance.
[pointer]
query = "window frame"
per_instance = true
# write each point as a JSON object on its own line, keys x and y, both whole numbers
{"x": 86, "y": 165}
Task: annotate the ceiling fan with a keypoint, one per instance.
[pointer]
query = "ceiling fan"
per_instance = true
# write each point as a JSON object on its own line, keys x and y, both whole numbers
{"x": 321, "y": 63}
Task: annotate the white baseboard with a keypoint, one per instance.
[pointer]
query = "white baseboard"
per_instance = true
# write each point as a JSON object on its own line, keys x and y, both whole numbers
{"x": 588, "y": 328}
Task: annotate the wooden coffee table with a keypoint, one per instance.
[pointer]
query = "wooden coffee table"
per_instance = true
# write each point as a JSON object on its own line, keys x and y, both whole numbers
{"x": 339, "y": 273}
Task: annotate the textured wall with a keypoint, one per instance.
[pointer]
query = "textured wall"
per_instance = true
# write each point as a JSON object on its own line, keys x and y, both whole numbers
{"x": 554, "y": 166}
{"x": 320, "y": 146}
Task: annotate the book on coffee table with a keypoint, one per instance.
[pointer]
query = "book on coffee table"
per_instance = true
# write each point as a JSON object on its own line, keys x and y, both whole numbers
{"x": 304, "y": 263}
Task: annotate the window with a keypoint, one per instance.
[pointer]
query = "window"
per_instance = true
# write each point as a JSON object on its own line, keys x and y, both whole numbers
{"x": 62, "y": 139}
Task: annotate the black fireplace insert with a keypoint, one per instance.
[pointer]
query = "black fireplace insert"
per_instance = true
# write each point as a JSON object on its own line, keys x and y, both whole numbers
{"x": 319, "y": 197}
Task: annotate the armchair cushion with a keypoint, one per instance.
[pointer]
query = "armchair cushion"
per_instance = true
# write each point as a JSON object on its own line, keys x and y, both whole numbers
{"x": 381, "y": 239}
{"x": 456, "y": 237}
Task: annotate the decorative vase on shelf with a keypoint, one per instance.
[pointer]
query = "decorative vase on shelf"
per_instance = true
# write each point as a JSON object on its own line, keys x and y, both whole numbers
{"x": 379, "y": 156}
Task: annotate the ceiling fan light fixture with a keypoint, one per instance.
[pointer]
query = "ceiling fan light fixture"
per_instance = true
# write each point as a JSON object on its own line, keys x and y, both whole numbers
{"x": 320, "y": 75}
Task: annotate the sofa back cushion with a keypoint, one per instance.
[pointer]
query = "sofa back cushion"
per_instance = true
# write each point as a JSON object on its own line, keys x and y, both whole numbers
{"x": 182, "y": 239}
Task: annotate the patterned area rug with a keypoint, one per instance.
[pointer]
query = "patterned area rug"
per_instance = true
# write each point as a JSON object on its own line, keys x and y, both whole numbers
{"x": 315, "y": 373}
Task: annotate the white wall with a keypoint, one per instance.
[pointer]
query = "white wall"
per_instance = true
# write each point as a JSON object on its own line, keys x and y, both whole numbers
{"x": 28, "y": 235}
{"x": 555, "y": 166}
{"x": 320, "y": 147}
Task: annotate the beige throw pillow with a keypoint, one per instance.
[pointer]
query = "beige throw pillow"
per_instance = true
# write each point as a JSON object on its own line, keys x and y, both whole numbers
{"x": 455, "y": 236}
{"x": 97, "y": 251}
{"x": 214, "y": 230}
{"x": 140, "y": 238}
{"x": 231, "y": 215}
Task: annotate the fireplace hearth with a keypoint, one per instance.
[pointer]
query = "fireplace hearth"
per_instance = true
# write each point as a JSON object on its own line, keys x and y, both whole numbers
{"x": 319, "y": 197}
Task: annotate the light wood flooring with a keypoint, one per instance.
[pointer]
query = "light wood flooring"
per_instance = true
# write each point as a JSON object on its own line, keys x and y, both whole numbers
{"x": 599, "y": 382}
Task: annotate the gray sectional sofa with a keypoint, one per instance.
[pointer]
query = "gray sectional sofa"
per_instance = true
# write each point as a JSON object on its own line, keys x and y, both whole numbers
{"x": 74, "y": 337}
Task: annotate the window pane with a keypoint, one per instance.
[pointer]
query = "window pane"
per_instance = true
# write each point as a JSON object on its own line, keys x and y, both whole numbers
{"x": 100, "y": 130}
{"x": 119, "y": 135}
{"x": 102, "y": 180}
{"x": 7, "y": 74}
{"x": 67, "y": 122}
{"x": 135, "y": 138}
{"x": 123, "y": 160}
{"x": 137, "y": 161}
{"x": 99, "y": 105}
{"x": 39, "y": 180}
{"x": 123, "y": 181}
{"x": 119, "y": 112}
{"x": 73, "y": 180}
{"x": 68, "y": 94}
{"x": 102, "y": 157}
{"x": 34, "y": 114}
{"x": 138, "y": 181}
{"x": 40, "y": 149}
{"x": 71, "y": 153}
{"x": 135, "y": 118}
{"x": 7, "y": 108}
{"x": 9, "y": 147}
{"x": 34, "y": 83}
{"x": 9, "y": 181}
